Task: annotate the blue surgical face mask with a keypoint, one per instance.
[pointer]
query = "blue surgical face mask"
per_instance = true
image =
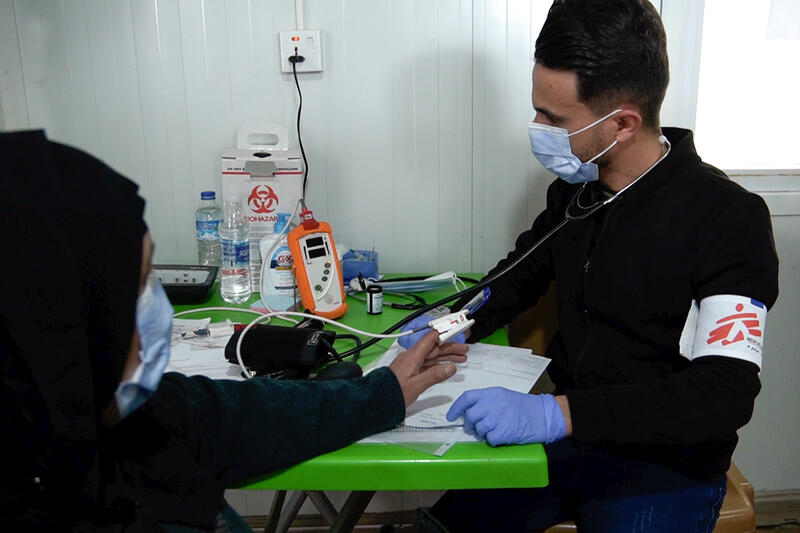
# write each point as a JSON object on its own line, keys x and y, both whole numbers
{"x": 154, "y": 324}
{"x": 550, "y": 145}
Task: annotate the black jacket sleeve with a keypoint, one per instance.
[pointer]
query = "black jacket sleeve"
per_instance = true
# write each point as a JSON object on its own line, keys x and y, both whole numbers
{"x": 714, "y": 395}
{"x": 522, "y": 286}
{"x": 709, "y": 400}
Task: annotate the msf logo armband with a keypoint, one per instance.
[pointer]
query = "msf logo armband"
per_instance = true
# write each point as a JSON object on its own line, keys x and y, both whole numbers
{"x": 725, "y": 324}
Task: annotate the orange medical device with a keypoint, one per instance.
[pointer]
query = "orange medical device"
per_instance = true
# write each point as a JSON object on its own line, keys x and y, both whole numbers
{"x": 316, "y": 267}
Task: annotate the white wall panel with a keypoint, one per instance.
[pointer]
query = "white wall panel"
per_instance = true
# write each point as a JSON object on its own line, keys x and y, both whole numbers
{"x": 431, "y": 152}
{"x": 13, "y": 103}
{"x": 45, "y": 76}
{"x": 385, "y": 168}
{"x": 766, "y": 453}
{"x": 118, "y": 102}
{"x": 508, "y": 185}
{"x": 158, "y": 88}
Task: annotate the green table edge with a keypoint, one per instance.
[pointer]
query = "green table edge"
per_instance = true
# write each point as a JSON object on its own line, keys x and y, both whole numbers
{"x": 380, "y": 467}
{"x": 393, "y": 467}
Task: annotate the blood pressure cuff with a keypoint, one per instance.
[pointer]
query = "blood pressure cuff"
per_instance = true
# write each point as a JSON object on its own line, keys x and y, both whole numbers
{"x": 267, "y": 349}
{"x": 725, "y": 324}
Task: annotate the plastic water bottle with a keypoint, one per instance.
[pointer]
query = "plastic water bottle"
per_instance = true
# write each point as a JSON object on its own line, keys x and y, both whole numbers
{"x": 233, "y": 234}
{"x": 206, "y": 221}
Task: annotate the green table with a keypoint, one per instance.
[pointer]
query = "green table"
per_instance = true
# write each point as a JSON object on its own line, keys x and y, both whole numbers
{"x": 366, "y": 468}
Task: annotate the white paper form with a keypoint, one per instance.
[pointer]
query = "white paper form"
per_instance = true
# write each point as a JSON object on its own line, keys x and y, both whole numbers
{"x": 487, "y": 365}
{"x": 203, "y": 356}
{"x": 411, "y": 435}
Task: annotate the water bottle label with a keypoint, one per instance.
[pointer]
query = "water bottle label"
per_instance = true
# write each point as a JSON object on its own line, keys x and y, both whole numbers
{"x": 207, "y": 230}
{"x": 235, "y": 255}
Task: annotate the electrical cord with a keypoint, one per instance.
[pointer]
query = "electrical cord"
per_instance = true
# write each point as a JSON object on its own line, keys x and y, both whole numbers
{"x": 331, "y": 351}
{"x": 348, "y": 336}
{"x": 294, "y": 60}
{"x": 234, "y": 309}
{"x": 375, "y": 337}
{"x": 340, "y": 336}
{"x": 387, "y": 333}
{"x": 419, "y": 301}
{"x": 471, "y": 291}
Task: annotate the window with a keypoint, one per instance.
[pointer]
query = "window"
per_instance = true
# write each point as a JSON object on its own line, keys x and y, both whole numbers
{"x": 748, "y": 114}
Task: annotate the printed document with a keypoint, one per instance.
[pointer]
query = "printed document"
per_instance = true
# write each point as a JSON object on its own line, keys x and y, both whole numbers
{"x": 487, "y": 365}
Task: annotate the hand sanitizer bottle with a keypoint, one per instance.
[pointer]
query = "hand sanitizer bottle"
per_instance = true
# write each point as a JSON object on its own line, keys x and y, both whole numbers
{"x": 277, "y": 284}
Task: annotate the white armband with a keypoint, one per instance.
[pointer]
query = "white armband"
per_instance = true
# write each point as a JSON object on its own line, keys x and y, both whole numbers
{"x": 725, "y": 324}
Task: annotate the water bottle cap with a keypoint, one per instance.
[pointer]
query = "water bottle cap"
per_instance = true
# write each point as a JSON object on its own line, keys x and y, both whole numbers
{"x": 208, "y": 195}
{"x": 283, "y": 219}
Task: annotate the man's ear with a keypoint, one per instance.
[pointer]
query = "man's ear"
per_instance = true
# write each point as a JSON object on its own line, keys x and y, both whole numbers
{"x": 628, "y": 122}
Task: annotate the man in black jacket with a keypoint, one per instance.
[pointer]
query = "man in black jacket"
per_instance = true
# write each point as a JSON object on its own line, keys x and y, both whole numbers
{"x": 663, "y": 273}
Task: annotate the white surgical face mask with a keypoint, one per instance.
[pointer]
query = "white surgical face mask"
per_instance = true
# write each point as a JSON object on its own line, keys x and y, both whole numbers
{"x": 550, "y": 145}
{"x": 154, "y": 324}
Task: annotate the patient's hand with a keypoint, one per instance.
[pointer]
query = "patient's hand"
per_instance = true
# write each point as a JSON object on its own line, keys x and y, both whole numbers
{"x": 419, "y": 368}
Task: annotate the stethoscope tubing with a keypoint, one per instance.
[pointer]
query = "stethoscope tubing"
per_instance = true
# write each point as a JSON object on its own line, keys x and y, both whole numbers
{"x": 483, "y": 283}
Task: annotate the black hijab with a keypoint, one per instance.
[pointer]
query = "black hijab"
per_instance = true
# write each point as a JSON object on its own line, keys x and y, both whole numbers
{"x": 72, "y": 247}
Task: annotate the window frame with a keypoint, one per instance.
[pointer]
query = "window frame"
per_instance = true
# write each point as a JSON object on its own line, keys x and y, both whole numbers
{"x": 684, "y": 18}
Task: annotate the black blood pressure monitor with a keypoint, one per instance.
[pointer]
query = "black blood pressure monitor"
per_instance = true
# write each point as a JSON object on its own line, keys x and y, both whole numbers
{"x": 186, "y": 284}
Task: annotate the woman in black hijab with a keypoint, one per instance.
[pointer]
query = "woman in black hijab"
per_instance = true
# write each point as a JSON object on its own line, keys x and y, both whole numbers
{"x": 76, "y": 251}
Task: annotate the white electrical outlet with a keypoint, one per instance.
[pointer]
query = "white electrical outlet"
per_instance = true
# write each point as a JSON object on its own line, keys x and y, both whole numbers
{"x": 308, "y": 45}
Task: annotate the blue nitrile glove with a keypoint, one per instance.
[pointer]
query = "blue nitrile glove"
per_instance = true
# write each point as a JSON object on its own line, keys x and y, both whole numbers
{"x": 502, "y": 416}
{"x": 407, "y": 341}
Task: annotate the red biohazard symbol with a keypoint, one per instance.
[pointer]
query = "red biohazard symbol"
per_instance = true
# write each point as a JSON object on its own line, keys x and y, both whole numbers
{"x": 734, "y": 327}
{"x": 262, "y": 199}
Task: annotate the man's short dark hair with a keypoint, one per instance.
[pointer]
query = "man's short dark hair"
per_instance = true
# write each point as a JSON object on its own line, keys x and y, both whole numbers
{"x": 617, "y": 48}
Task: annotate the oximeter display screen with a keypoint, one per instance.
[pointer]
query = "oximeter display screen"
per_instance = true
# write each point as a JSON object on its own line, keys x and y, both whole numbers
{"x": 316, "y": 252}
{"x": 314, "y": 242}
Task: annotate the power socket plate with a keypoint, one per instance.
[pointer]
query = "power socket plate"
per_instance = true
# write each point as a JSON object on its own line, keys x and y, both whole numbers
{"x": 308, "y": 45}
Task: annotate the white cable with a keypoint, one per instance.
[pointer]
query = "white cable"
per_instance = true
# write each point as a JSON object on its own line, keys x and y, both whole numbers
{"x": 268, "y": 253}
{"x": 234, "y": 309}
{"x": 240, "y": 309}
{"x": 283, "y": 314}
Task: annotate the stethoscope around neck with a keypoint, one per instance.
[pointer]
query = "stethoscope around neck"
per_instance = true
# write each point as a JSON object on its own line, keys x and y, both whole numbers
{"x": 471, "y": 291}
{"x": 587, "y": 211}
